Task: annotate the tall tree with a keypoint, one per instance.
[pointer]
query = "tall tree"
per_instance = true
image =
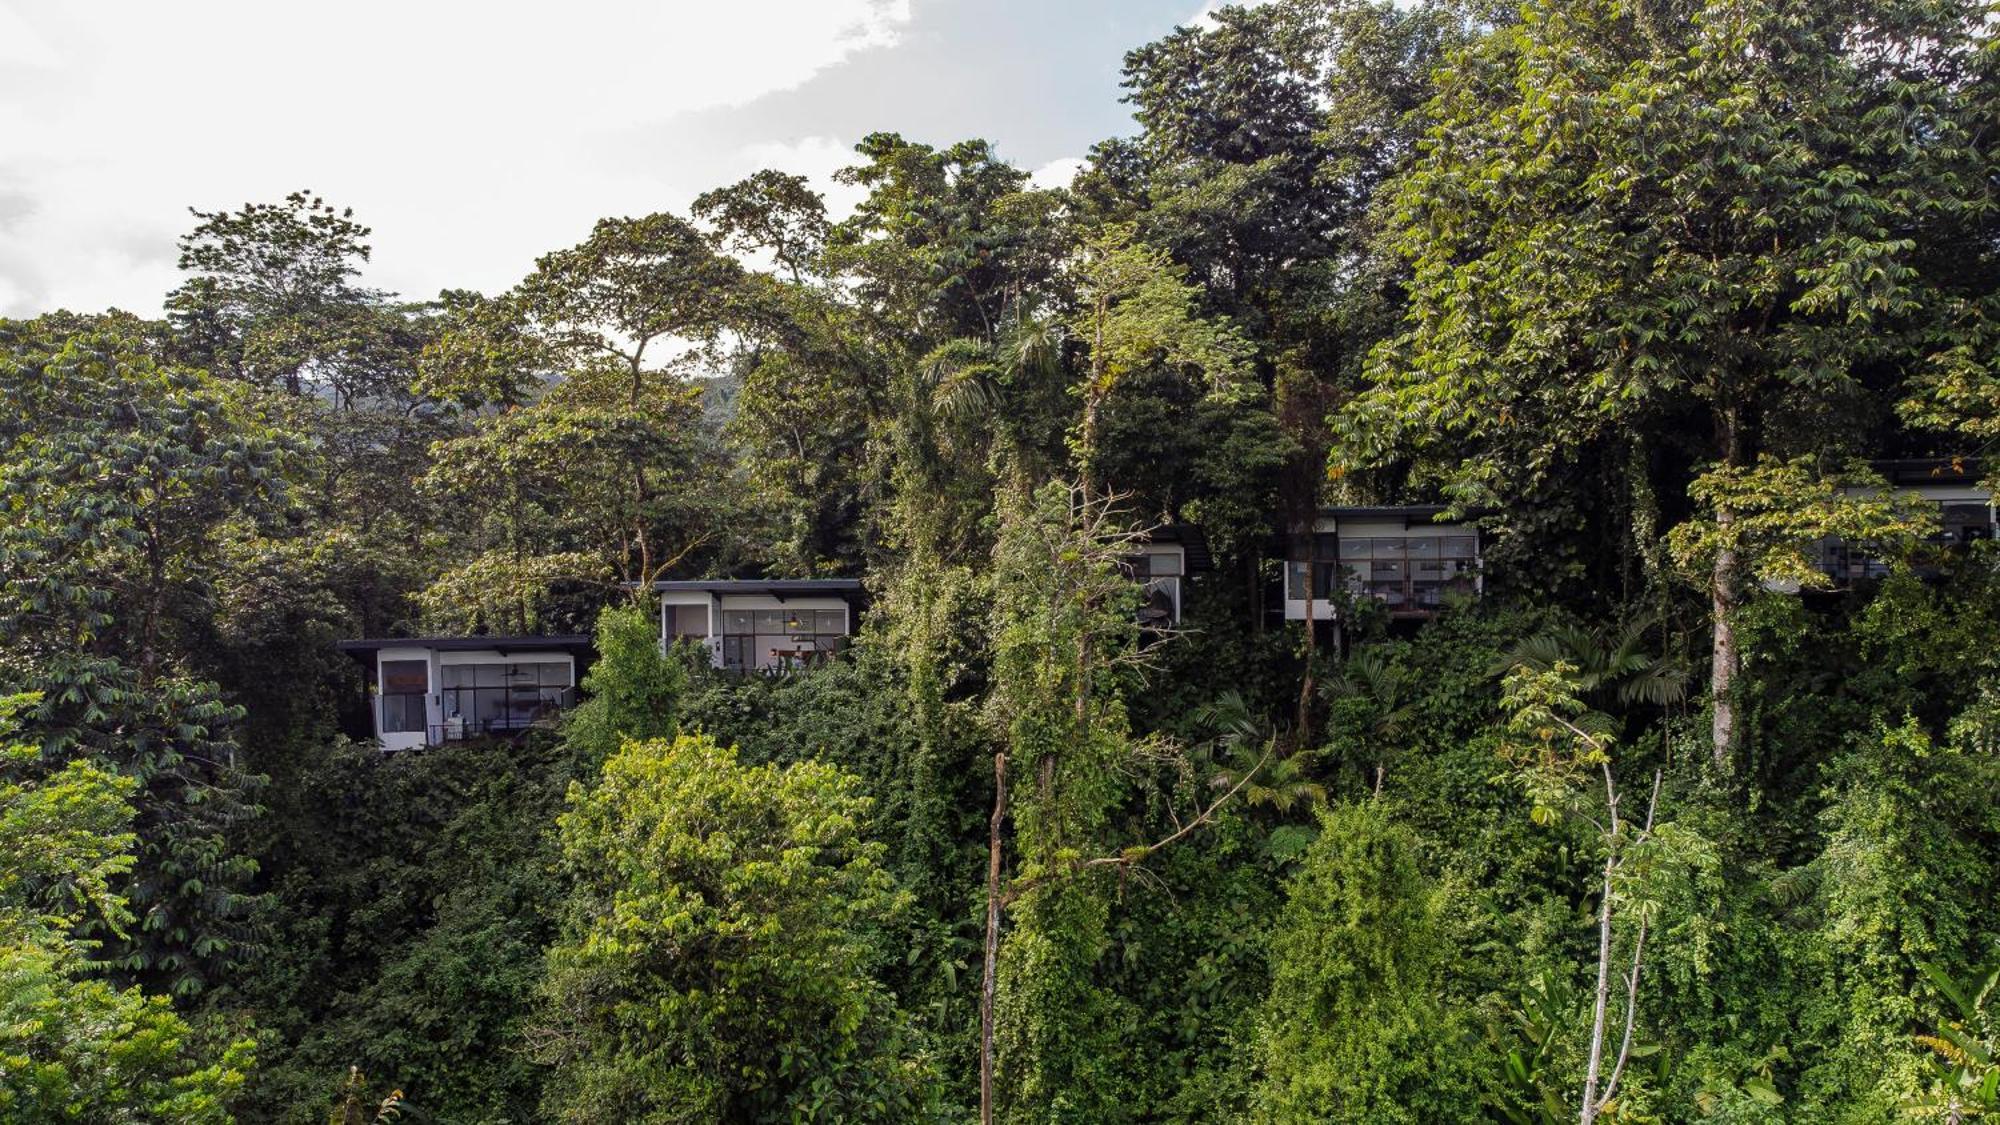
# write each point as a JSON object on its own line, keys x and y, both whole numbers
{"x": 1702, "y": 220}
{"x": 271, "y": 298}
{"x": 78, "y": 1048}
{"x": 607, "y": 472}
{"x": 718, "y": 953}
{"x": 123, "y": 477}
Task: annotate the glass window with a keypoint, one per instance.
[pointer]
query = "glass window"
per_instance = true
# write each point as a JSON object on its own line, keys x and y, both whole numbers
{"x": 402, "y": 713}
{"x": 1963, "y": 523}
{"x": 738, "y": 621}
{"x": 403, "y": 676}
{"x": 687, "y": 621}
{"x": 830, "y": 622}
{"x": 1356, "y": 548}
{"x": 489, "y": 675}
{"x": 1461, "y": 546}
{"x": 1295, "y": 581}
{"x": 552, "y": 674}
{"x": 489, "y": 709}
{"x": 770, "y": 621}
{"x": 1388, "y": 548}
{"x": 1163, "y": 564}
{"x": 1422, "y": 548}
{"x": 1325, "y": 576}
{"x": 457, "y": 675}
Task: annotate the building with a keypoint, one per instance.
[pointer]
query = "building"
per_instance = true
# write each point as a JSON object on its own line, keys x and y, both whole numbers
{"x": 1402, "y": 557}
{"x": 423, "y": 691}
{"x": 1966, "y": 514}
{"x": 1163, "y": 563}
{"x": 757, "y": 625}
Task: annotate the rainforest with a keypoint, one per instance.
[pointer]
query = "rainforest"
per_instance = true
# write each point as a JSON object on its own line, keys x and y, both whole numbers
{"x": 1449, "y": 576}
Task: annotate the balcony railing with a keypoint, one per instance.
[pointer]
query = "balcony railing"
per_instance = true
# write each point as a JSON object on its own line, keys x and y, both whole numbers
{"x": 401, "y": 714}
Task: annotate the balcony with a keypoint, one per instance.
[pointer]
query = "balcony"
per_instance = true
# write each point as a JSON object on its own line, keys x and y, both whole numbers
{"x": 475, "y": 712}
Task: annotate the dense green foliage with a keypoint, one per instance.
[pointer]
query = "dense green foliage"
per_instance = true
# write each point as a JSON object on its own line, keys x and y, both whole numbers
{"x": 1664, "y": 825}
{"x": 1354, "y": 1028}
{"x": 74, "y": 1047}
{"x": 717, "y": 951}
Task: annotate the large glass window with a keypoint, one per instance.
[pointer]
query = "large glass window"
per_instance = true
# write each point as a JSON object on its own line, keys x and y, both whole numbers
{"x": 1407, "y": 573}
{"x": 492, "y": 697}
{"x": 1959, "y": 523}
{"x": 1159, "y": 572}
{"x": 768, "y": 639}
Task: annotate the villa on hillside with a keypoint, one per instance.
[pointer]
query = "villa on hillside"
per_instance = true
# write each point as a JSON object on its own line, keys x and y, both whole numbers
{"x": 424, "y": 691}
{"x": 1966, "y": 514}
{"x": 761, "y": 625}
{"x": 1162, "y": 564}
{"x": 1402, "y": 557}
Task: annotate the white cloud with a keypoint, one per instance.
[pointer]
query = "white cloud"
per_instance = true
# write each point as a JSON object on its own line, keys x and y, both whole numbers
{"x": 19, "y": 43}
{"x": 1057, "y": 173}
{"x": 815, "y": 158}
{"x": 1204, "y": 16}
{"x": 471, "y": 136}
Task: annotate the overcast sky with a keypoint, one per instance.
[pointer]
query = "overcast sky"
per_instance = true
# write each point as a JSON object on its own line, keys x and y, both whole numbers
{"x": 475, "y": 136}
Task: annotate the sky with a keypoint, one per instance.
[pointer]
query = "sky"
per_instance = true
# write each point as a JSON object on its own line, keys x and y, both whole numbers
{"x": 475, "y": 136}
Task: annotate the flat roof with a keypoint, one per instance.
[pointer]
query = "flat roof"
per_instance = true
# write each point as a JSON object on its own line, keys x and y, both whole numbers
{"x": 1191, "y": 540}
{"x": 1387, "y": 511}
{"x": 469, "y": 644}
{"x": 776, "y": 587}
{"x": 1931, "y": 470}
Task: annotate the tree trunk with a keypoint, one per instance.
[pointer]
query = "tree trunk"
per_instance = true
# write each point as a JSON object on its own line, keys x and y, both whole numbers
{"x": 988, "y": 981}
{"x": 1255, "y": 591}
{"x": 1306, "y": 683}
{"x": 1602, "y": 1011}
{"x": 1724, "y": 661}
{"x": 1724, "y": 658}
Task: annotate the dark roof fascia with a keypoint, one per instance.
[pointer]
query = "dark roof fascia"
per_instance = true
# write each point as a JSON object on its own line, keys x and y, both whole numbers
{"x": 1386, "y": 511}
{"x": 1930, "y": 470}
{"x": 848, "y": 589}
{"x": 564, "y": 641}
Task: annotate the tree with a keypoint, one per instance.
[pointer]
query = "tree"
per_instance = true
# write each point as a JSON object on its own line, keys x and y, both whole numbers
{"x": 77, "y": 1048}
{"x": 270, "y": 298}
{"x": 813, "y": 371}
{"x": 1266, "y": 136}
{"x": 634, "y": 687}
{"x": 1354, "y": 1028}
{"x": 718, "y": 951}
{"x": 1556, "y": 744}
{"x": 1712, "y": 223}
{"x": 1138, "y": 312}
{"x": 1064, "y": 636}
{"x": 608, "y": 473}
{"x": 123, "y": 476}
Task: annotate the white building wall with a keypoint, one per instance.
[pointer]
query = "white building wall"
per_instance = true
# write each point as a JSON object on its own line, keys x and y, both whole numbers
{"x": 406, "y": 740}
{"x": 435, "y": 662}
